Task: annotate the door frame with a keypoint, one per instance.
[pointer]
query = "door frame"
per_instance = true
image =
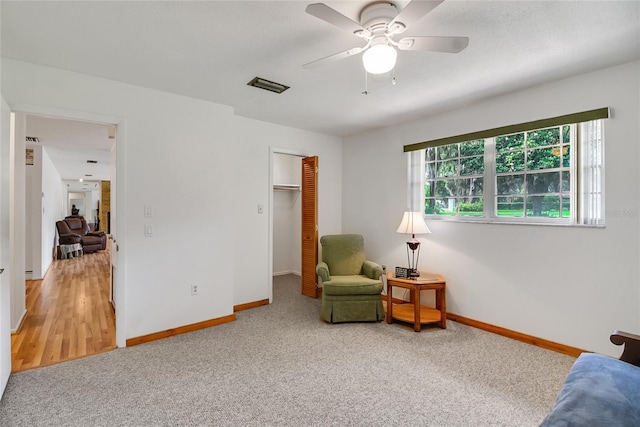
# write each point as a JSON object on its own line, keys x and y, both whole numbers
{"x": 119, "y": 212}
{"x": 272, "y": 151}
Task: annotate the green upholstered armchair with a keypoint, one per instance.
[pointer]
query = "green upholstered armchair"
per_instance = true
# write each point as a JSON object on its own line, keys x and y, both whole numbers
{"x": 351, "y": 285}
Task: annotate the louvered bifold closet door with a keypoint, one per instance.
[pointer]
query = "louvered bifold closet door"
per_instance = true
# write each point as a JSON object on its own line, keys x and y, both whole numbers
{"x": 309, "y": 225}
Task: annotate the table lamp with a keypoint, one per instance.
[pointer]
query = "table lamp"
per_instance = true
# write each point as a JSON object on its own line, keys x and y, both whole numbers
{"x": 413, "y": 223}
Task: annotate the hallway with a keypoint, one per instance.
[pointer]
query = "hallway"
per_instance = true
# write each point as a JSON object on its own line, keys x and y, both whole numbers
{"x": 68, "y": 314}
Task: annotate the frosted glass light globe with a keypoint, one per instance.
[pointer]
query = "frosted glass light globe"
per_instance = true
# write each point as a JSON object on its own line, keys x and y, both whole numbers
{"x": 379, "y": 59}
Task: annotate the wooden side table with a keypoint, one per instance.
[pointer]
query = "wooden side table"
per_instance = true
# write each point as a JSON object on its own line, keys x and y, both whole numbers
{"x": 413, "y": 311}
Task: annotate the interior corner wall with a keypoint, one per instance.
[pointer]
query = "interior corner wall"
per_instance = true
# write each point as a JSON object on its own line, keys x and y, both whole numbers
{"x": 570, "y": 285}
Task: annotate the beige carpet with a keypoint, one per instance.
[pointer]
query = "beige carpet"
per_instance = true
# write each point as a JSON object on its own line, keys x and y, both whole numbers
{"x": 280, "y": 365}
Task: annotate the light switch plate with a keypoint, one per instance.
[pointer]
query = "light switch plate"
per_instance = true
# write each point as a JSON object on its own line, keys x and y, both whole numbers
{"x": 148, "y": 211}
{"x": 148, "y": 230}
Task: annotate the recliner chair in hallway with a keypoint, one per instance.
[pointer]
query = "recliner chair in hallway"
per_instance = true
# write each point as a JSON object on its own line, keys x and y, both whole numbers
{"x": 74, "y": 229}
{"x": 351, "y": 285}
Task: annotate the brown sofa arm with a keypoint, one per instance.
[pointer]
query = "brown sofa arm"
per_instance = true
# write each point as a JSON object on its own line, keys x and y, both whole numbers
{"x": 69, "y": 239}
{"x": 631, "y": 351}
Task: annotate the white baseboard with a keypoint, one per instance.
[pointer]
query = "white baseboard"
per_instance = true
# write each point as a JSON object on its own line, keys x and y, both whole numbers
{"x": 24, "y": 314}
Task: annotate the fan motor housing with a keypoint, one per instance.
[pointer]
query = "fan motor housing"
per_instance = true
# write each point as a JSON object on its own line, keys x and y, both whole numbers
{"x": 376, "y": 16}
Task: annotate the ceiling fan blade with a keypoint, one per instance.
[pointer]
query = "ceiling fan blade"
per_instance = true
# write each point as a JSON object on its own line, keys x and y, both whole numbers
{"x": 413, "y": 12}
{"x": 434, "y": 44}
{"x": 332, "y": 16}
{"x": 334, "y": 57}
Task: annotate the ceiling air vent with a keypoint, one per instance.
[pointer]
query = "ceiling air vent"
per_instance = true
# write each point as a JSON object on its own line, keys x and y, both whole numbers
{"x": 267, "y": 85}
{"x": 92, "y": 161}
{"x": 32, "y": 139}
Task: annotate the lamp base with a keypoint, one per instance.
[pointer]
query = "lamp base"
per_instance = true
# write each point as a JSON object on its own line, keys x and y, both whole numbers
{"x": 413, "y": 273}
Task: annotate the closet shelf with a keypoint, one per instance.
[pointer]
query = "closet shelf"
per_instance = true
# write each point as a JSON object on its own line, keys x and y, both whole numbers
{"x": 286, "y": 187}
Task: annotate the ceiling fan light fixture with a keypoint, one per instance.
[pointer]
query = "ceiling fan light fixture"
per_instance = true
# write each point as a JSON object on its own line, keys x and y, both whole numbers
{"x": 379, "y": 59}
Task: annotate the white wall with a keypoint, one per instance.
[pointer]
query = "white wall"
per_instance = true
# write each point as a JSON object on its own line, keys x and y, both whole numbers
{"x": 565, "y": 284}
{"x": 53, "y": 209}
{"x": 16, "y": 220}
{"x": 287, "y": 210}
{"x": 31, "y": 230}
{"x": 5, "y": 282}
{"x": 175, "y": 150}
{"x": 251, "y": 185}
{"x": 42, "y": 209}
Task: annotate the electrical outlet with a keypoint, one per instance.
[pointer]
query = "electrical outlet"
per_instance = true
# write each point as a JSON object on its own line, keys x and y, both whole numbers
{"x": 194, "y": 289}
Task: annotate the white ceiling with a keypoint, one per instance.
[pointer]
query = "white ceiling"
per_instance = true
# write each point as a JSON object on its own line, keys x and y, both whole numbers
{"x": 70, "y": 144}
{"x": 211, "y": 49}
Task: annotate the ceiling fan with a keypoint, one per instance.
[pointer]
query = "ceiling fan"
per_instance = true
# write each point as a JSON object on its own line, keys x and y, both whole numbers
{"x": 379, "y": 23}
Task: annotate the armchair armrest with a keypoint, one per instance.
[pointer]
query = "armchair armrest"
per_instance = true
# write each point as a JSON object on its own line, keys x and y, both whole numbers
{"x": 631, "y": 351}
{"x": 96, "y": 233}
{"x": 69, "y": 239}
{"x": 322, "y": 269}
{"x": 372, "y": 270}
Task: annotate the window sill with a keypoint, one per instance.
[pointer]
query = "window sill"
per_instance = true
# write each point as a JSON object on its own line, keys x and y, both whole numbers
{"x": 471, "y": 220}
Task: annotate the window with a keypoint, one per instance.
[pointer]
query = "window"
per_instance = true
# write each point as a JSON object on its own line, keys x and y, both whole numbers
{"x": 545, "y": 175}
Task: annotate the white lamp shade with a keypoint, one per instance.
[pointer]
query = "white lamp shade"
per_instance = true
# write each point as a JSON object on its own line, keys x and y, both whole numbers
{"x": 413, "y": 223}
{"x": 379, "y": 59}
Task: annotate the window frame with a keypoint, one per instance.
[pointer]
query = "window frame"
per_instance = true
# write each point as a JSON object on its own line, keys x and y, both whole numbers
{"x": 577, "y": 167}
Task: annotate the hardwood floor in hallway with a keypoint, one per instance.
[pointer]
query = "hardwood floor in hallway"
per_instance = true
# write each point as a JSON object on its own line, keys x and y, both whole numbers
{"x": 68, "y": 314}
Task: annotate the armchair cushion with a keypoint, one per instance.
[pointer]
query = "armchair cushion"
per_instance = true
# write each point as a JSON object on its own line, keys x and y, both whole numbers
{"x": 352, "y": 285}
{"x": 343, "y": 253}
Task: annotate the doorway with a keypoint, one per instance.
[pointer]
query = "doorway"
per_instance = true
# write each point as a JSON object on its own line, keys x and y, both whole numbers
{"x": 286, "y": 201}
{"x": 80, "y": 170}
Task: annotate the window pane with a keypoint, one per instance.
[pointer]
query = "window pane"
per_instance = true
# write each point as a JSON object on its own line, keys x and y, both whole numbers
{"x": 446, "y": 188}
{"x": 447, "y": 206}
{"x": 566, "y": 182}
{"x": 566, "y": 157}
{"x": 429, "y": 189}
{"x": 510, "y": 161}
{"x": 510, "y": 206}
{"x": 470, "y": 187}
{"x": 566, "y": 207}
{"x": 510, "y": 184}
{"x": 448, "y": 151}
{"x": 539, "y": 138}
{"x": 566, "y": 134}
{"x": 430, "y": 154}
{"x": 448, "y": 168}
{"x": 430, "y": 170}
{"x": 471, "y": 207}
{"x": 429, "y": 206}
{"x": 543, "y": 158}
{"x": 509, "y": 142}
{"x": 472, "y": 166}
{"x": 540, "y": 183}
{"x": 472, "y": 148}
{"x": 543, "y": 206}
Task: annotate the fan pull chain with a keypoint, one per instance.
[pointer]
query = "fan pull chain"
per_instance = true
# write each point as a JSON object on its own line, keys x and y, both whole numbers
{"x": 366, "y": 83}
{"x": 393, "y": 76}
